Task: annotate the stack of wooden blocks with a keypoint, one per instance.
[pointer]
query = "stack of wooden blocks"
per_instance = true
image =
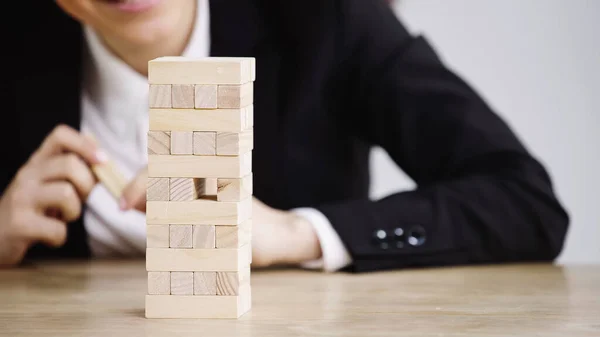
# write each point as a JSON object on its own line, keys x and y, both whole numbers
{"x": 199, "y": 193}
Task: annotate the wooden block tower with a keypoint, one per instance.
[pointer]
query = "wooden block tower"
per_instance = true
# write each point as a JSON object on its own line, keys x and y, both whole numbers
{"x": 199, "y": 193}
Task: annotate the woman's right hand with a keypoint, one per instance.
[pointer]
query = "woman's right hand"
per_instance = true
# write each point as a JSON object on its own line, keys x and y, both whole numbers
{"x": 47, "y": 193}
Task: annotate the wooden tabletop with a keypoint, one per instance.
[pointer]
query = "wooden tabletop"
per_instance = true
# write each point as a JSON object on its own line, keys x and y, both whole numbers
{"x": 107, "y": 299}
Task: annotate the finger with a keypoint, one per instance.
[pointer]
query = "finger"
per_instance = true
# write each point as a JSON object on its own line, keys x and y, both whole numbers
{"x": 134, "y": 194}
{"x": 72, "y": 168}
{"x": 48, "y": 230}
{"x": 62, "y": 196}
{"x": 66, "y": 139}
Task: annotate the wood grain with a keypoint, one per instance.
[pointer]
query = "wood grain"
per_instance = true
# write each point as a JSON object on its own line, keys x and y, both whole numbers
{"x": 227, "y": 283}
{"x": 198, "y": 212}
{"x": 106, "y": 298}
{"x": 234, "y": 189}
{"x": 182, "y": 96}
{"x": 182, "y": 143}
{"x": 205, "y": 143}
{"x": 200, "y": 166}
{"x": 182, "y": 283}
{"x": 181, "y": 259}
{"x": 180, "y": 236}
{"x": 235, "y": 143}
{"x": 205, "y": 283}
{"x": 206, "y": 96}
{"x": 186, "y": 189}
{"x": 159, "y": 283}
{"x": 204, "y": 236}
{"x": 157, "y": 189}
{"x": 157, "y": 236}
{"x": 235, "y": 96}
{"x": 233, "y": 120}
{"x": 159, "y": 142}
{"x": 159, "y": 96}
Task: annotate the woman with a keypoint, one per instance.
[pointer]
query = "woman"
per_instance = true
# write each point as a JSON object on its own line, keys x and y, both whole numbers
{"x": 333, "y": 79}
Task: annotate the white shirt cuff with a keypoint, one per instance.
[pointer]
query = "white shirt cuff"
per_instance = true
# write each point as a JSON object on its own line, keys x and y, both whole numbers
{"x": 335, "y": 255}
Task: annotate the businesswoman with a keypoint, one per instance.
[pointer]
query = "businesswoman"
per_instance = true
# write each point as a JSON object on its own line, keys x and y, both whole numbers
{"x": 334, "y": 78}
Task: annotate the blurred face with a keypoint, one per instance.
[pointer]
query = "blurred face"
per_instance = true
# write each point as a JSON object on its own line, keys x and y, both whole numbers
{"x": 133, "y": 22}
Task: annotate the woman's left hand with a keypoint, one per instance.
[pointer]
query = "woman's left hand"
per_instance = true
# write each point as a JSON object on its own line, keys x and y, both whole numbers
{"x": 278, "y": 237}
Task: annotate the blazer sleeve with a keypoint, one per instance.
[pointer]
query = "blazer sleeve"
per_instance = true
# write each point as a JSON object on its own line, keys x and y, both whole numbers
{"x": 481, "y": 197}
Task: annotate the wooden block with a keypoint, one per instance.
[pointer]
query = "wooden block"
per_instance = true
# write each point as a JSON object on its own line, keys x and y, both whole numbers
{"x": 180, "y": 236}
{"x": 205, "y": 143}
{"x": 203, "y": 236}
{"x": 235, "y": 143}
{"x": 157, "y": 236}
{"x": 182, "y": 142}
{"x": 233, "y": 120}
{"x": 110, "y": 176}
{"x": 159, "y": 142}
{"x": 186, "y": 189}
{"x": 227, "y": 283}
{"x": 182, "y": 96}
{"x": 159, "y": 283}
{"x": 234, "y": 189}
{"x": 235, "y": 96}
{"x": 182, "y": 283}
{"x": 249, "y": 117}
{"x": 198, "y": 307}
{"x": 205, "y": 283}
{"x": 160, "y": 96}
{"x": 209, "y": 70}
{"x": 182, "y": 259}
{"x": 233, "y": 236}
{"x": 206, "y": 96}
{"x": 157, "y": 189}
{"x": 211, "y": 186}
{"x": 200, "y": 166}
{"x": 198, "y": 212}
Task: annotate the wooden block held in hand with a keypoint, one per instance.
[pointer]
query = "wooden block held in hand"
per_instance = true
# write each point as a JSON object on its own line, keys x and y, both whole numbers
{"x": 182, "y": 142}
{"x": 159, "y": 96}
{"x": 205, "y": 143}
{"x": 159, "y": 283}
{"x": 234, "y": 189}
{"x": 180, "y": 236}
{"x": 235, "y": 143}
{"x": 186, "y": 189}
{"x": 205, "y": 96}
{"x": 227, "y": 283}
{"x": 205, "y": 283}
{"x": 157, "y": 236}
{"x": 159, "y": 142}
{"x": 204, "y": 237}
{"x": 182, "y": 283}
{"x": 235, "y": 96}
{"x": 110, "y": 176}
{"x": 157, "y": 189}
{"x": 182, "y": 96}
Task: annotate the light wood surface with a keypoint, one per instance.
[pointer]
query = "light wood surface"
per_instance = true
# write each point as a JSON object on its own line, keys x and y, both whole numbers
{"x": 107, "y": 299}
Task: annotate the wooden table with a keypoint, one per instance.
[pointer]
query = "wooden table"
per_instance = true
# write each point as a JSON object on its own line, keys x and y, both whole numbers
{"x": 107, "y": 299}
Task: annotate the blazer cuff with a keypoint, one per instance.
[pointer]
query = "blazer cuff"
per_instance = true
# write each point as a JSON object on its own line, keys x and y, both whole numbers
{"x": 335, "y": 255}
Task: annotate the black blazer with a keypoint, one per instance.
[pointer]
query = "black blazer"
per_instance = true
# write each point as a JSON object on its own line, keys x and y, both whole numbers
{"x": 334, "y": 78}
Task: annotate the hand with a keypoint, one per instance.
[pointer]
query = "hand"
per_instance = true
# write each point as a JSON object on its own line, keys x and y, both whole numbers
{"x": 281, "y": 237}
{"x": 46, "y": 193}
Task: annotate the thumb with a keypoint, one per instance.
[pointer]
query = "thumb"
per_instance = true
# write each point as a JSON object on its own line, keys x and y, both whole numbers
{"x": 134, "y": 194}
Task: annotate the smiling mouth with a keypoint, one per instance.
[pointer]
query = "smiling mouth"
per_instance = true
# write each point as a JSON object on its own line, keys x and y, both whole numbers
{"x": 132, "y": 6}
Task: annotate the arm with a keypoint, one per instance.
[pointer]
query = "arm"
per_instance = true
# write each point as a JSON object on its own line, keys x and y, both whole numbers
{"x": 481, "y": 196}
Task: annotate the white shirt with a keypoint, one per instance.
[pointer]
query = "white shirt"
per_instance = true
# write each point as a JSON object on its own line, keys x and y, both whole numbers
{"x": 115, "y": 110}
